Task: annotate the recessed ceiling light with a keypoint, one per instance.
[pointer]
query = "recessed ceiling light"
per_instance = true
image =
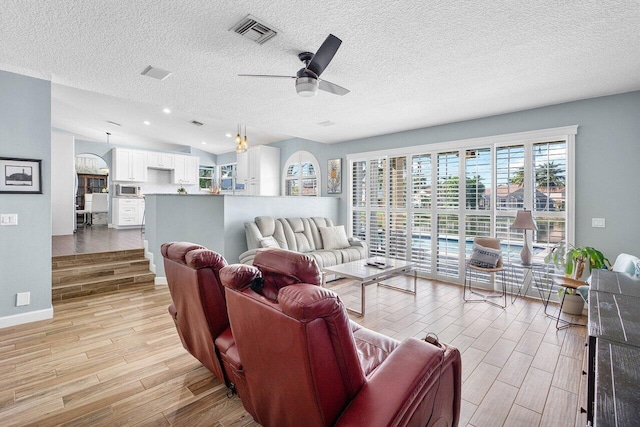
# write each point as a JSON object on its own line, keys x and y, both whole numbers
{"x": 228, "y": 135}
{"x": 166, "y": 110}
{"x": 204, "y": 143}
{"x": 146, "y": 122}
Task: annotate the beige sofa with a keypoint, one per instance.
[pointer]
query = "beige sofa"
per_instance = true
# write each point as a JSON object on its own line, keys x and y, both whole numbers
{"x": 301, "y": 235}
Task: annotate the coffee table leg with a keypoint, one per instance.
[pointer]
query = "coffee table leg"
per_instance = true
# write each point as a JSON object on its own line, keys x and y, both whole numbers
{"x": 362, "y": 302}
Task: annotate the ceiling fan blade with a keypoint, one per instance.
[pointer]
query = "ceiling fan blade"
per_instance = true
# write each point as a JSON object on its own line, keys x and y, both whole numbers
{"x": 324, "y": 55}
{"x": 332, "y": 88}
{"x": 266, "y": 75}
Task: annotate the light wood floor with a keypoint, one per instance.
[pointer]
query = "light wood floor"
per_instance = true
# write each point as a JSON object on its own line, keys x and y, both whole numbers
{"x": 117, "y": 360}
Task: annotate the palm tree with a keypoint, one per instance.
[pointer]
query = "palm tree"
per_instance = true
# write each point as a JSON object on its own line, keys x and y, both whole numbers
{"x": 550, "y": 175}
{"x": 547, "y": 175}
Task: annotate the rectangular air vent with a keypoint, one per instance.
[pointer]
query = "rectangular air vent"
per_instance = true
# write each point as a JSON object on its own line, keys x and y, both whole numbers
{"x": 196, "y": 123}
{"x": 156, "y": 73}
{"x": 326, "y": 123}
{"x": 254, "y": 30}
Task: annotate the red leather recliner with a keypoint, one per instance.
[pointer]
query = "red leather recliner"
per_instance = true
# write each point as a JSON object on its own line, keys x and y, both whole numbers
{"x": 199, "y": 310}
{"x": 306, "y": 363}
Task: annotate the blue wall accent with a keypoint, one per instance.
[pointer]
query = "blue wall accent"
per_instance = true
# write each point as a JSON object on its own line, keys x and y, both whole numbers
{"x": 607, "y": 158}
{"x": 25, "y": 249}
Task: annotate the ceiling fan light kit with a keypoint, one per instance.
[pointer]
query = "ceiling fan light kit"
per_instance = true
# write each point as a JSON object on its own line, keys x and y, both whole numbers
{"x": 306, "y": 86}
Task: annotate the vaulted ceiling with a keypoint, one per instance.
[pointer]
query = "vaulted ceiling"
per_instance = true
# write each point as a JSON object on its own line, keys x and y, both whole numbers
{"x": 408, "y": 64}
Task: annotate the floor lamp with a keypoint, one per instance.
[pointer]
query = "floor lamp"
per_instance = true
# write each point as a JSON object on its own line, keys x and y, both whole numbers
{"x": 524, "y": 221}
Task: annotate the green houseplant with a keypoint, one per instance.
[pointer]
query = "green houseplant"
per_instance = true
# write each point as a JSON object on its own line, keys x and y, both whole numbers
{"x": 572, "y": 260}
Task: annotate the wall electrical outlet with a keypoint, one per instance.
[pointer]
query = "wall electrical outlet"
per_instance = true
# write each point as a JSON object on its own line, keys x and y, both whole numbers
{"x": 23, "y": 298}
{"x": 597, "y": 222}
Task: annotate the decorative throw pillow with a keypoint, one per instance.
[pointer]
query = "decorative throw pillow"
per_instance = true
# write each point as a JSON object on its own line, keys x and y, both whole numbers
{"x": 485, "y": 257}
{"x": 269, "y": 242}
{"x": 334, "y": 237}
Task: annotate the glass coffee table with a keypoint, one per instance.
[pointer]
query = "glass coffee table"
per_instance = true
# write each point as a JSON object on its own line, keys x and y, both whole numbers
{"x": 373, "y": 270}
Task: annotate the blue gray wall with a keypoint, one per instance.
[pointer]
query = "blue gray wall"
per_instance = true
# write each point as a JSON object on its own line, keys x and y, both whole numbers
{"x": 217, "y": 222}
{"x": 25, "y": 249}
{"x": 607, "y": 158}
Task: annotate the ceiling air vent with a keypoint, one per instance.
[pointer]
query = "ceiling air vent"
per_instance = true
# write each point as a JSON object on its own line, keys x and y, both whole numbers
{"x": 254, "y": 30}
{"x": 156, "y": 73}
{"x": 196, "y": 123}
{"x": 326, "y": 123}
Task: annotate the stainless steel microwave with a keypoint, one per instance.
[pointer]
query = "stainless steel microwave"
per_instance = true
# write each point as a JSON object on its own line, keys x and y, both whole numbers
{"x": 127, "y": 190}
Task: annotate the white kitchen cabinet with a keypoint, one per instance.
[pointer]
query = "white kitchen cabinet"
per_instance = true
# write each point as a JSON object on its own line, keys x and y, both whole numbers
{"x": 259, "y": 170}
{"x": 159, "y": 160}
{"x": 128, "y": 212}
{"x": 129, "y": 165}
{"x": 185, "y": 170}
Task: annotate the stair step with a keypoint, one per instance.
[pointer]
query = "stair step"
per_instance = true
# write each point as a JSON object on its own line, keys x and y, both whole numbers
{"x": 86, "y": 272}
{"x": 116, "y": 282}
{"x": 81, "y": 275}
{"x": 65, "y": 261}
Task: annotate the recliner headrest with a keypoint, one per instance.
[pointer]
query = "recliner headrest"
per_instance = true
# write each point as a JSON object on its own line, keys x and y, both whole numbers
{"x": 192, "y": 255}
{"x": 238, "y": 276}
{"x": 282, "y": 268}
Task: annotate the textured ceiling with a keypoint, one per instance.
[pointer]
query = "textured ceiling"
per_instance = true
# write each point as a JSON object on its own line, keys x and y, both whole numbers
{"x": 408, "y": 64}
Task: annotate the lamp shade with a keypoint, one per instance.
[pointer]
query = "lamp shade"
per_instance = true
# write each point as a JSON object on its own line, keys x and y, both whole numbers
{"x": 524, "y": 221}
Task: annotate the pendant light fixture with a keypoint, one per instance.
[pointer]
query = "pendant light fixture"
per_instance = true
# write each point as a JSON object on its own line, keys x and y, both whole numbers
{"x": 245, "y": 143}
{"x": 241, "y": 144}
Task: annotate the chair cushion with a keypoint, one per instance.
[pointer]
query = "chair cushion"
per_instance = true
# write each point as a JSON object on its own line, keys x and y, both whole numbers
{"x": 238, "y": 276}
{"x": 626, "y": 263}
{"x": 484, "y": 257}
{"x": 334, "y": 237}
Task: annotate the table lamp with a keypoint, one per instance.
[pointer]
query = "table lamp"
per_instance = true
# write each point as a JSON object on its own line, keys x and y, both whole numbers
{"x": 524, "y": 221}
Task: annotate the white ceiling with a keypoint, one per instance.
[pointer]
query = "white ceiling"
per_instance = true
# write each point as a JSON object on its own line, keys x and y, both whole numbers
{"x": 408, "y": 64}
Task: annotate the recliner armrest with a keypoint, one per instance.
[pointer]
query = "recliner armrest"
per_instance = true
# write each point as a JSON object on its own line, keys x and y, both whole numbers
{"x": 402, "y": 389}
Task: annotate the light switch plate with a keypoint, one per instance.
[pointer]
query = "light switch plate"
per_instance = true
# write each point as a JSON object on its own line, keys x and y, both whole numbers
{"x": 8, "y": 219}
{"x": 597, "y": 222}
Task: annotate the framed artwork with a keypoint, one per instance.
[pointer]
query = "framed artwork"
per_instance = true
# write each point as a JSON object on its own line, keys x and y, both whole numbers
{"x": 334, "y": 176}
{"x": 20, "y": 176}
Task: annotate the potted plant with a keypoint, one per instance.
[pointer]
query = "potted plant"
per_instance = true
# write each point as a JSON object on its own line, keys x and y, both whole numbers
{"x": 572, "y": 260}
{"x": 182, "y": 190}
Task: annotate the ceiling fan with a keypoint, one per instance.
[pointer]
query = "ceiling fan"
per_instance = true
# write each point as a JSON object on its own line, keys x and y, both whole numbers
{"x": 308, "y": 79}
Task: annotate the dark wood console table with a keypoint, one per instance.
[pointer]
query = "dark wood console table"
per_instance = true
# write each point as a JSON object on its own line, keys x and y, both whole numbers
{"x": 614, "y": 350}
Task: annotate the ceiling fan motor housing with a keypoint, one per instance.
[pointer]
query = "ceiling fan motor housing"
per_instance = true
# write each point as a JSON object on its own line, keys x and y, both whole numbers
{"x": 306, "y": 86}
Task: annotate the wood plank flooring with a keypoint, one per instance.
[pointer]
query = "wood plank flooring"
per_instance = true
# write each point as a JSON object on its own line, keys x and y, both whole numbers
{"x": 116, "y": 359}
{"x": 97, "y": 238}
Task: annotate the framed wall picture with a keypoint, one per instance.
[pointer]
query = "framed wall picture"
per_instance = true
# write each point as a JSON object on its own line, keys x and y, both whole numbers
{"x": 22, "y": 176}
{"x": 334, "y": 176}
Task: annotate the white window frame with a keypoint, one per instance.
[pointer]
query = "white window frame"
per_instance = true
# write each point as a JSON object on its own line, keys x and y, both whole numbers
{"x": 301, "y": 157}
{"x": 528, "y": 139}
{"x": 233, "y": 178}
{"x": 213, "y": 176}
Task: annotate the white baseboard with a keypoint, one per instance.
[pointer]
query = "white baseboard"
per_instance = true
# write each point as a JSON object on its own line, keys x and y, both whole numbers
{"x": 161, "y": 281}
{"x": 31, "y": 316}
{"x": 148, "y": 255}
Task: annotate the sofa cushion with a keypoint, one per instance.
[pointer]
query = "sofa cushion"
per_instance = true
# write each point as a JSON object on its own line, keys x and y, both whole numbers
{"x": 326, "y": 258}
{"x": 266, "y": 225}
{"x": 334, "y": 237}
{"x": 353, "y": 253}
{"x": 269, "y": 242}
